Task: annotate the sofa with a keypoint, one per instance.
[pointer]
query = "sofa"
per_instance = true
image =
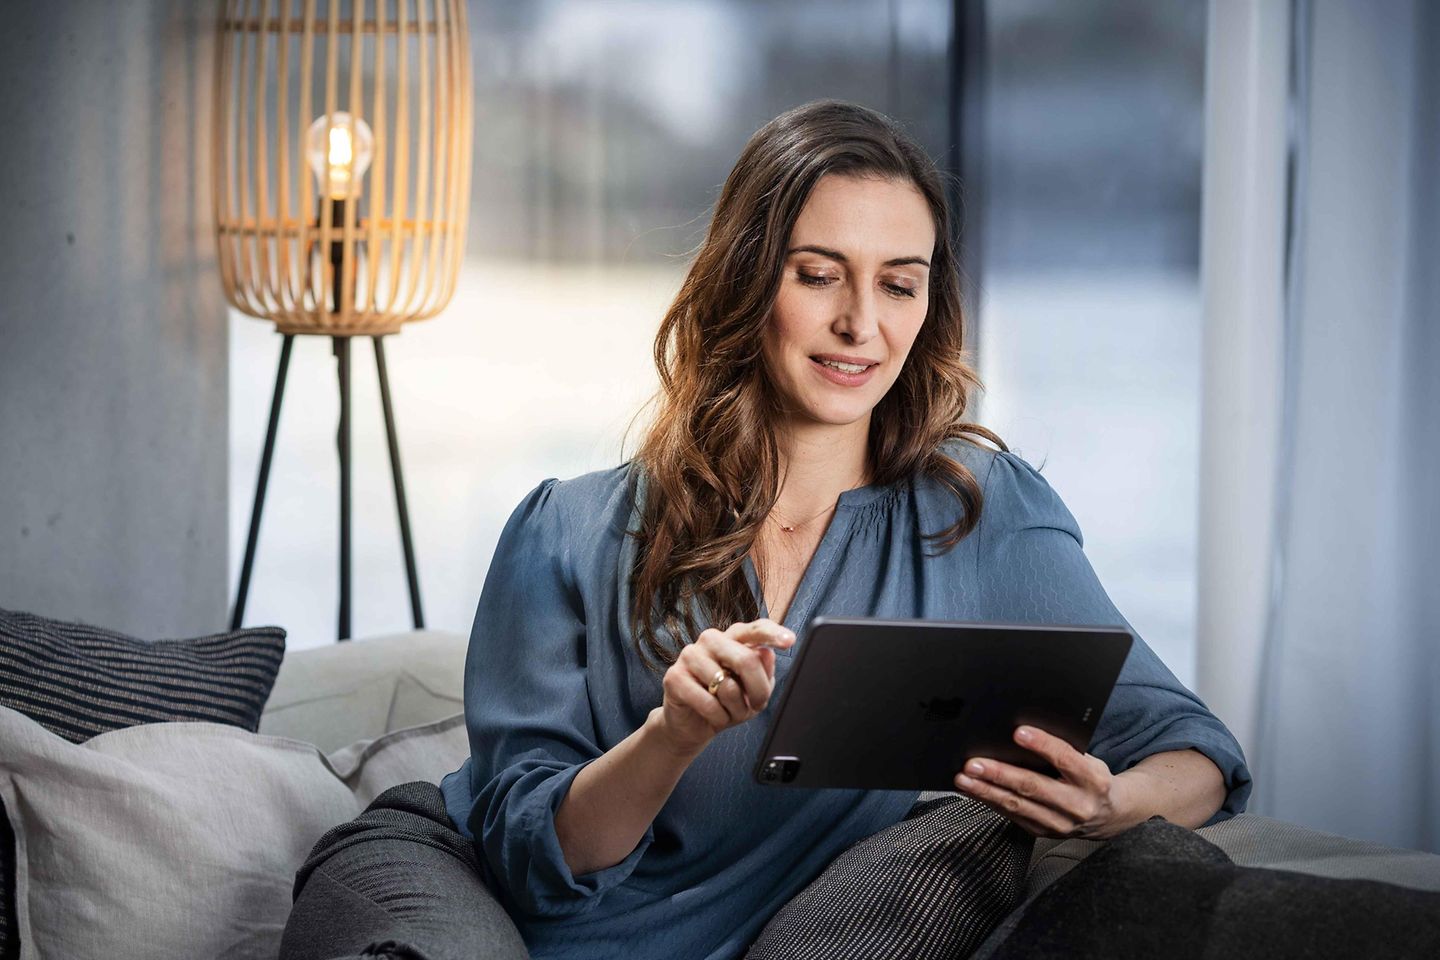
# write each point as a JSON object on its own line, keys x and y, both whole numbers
{"x": 180, "y": 840}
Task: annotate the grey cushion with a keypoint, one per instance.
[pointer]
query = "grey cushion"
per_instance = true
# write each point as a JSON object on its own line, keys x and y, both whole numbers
{"x": 332, "y": 696}
{"x": 181, "y": 840}
{"x": 78, "y": 680}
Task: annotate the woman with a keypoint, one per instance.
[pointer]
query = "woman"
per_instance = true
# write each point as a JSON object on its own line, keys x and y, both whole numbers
{"x": 809, "y": 457}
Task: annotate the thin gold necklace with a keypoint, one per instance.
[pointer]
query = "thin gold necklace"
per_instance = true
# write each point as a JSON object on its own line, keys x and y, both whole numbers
{"x": 792, "y": 527}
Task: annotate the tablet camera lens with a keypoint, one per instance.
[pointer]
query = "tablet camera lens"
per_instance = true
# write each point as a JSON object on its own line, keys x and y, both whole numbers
{"x": 780, "y": 769}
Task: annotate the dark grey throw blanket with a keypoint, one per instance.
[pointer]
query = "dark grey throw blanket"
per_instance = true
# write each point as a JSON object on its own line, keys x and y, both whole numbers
{"x": 1159, "y": 890}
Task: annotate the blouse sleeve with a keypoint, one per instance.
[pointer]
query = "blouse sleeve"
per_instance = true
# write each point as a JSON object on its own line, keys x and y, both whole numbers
{"x": 1039, "y": 574}
{"x": 528, "y": 715}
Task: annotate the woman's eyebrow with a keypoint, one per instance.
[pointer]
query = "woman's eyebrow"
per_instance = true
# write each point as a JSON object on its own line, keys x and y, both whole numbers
{"x": 837, "y": 255}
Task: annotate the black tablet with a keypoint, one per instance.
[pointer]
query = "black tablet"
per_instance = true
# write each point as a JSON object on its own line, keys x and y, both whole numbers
{"x": 902, "y": 704}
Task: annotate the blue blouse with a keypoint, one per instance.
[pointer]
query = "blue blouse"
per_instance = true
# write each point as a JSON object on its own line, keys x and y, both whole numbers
{"x": 552, "y": 681}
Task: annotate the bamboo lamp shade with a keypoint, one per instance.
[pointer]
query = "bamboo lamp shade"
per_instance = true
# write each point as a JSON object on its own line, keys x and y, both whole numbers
{"x": 341, "y": 144}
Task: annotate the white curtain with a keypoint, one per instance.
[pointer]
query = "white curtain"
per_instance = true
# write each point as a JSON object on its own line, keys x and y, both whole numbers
{"x": 1338, "y": 695}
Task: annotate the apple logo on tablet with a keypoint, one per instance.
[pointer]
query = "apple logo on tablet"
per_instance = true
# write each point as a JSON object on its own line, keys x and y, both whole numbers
{"x": 942, "y": 709}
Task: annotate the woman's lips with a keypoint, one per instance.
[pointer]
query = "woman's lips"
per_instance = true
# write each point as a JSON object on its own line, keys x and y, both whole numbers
{"x": 841, "y": 377}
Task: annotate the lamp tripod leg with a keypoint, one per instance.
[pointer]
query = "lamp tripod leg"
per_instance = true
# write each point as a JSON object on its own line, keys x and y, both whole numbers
{"x": 416, "y": 614}
{"x": 342, "y": 356}
{"x": 238, "y": 614}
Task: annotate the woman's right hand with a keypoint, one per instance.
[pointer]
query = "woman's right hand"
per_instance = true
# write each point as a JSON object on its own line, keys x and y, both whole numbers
{"x": 691, "y": 715}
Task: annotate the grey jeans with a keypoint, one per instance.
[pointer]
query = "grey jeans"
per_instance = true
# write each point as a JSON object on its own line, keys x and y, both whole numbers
{"x": 397, "y": 882}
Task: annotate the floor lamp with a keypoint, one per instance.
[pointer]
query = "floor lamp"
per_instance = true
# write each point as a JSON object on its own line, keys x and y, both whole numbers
{"x": 341, "y": 145}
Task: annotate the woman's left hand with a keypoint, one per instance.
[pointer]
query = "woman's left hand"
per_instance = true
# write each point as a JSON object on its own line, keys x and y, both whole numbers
{"x": 1086, "y": 801}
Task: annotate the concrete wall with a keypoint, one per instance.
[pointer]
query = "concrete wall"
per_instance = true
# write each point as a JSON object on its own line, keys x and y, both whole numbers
{"x": 113, "y": 429}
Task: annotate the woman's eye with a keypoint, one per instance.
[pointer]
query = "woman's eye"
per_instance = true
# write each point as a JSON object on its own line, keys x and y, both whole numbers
{"x": 813, "y": 279}
{"x": 899, "y": 291}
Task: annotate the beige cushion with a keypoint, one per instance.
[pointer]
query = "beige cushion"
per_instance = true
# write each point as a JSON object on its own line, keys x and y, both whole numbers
{"x": 358, "y": 690}
{"x": 181, "y": 840}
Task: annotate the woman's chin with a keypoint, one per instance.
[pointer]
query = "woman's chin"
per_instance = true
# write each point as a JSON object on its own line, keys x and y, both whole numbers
{"x": 836, "y": 415}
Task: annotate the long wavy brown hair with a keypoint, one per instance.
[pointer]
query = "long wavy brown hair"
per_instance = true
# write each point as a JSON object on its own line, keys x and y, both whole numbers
{"x": 711, "y": 457}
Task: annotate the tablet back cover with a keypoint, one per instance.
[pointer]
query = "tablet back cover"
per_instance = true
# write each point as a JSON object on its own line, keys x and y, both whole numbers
{"x": 901, "y": 705}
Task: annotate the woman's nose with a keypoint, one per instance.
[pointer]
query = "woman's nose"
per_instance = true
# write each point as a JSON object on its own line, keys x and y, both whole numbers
{"x": 858, "y": 320}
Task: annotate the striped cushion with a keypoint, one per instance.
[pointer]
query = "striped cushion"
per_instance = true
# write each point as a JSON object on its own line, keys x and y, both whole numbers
{"x": 78, "y": 681}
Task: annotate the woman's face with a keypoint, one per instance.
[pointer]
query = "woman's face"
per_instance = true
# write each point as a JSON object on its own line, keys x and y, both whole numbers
{"x": 852, "y": 298}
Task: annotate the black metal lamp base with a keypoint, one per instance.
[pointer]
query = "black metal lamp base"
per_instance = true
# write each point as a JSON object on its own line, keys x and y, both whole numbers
{"x": 341, "y": 346}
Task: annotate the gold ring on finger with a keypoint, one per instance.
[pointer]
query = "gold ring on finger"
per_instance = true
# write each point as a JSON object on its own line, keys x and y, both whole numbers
{"x": 719, "y": 678}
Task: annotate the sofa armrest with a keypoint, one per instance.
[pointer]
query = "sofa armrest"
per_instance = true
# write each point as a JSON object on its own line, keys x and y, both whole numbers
{"x": 1254, "y": 841}
{"x": 334, "y": 695}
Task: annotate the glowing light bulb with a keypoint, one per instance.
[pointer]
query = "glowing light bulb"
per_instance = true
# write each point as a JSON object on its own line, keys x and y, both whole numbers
{"x": 338, "y": 149}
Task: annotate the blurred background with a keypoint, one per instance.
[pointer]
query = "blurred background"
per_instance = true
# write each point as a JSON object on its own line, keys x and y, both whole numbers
{"x": 604, "y": 130}
{"x": 1199, "y": 252}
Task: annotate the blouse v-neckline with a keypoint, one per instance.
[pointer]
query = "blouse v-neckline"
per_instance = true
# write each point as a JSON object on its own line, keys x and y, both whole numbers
{"x": 822, "y": 563}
